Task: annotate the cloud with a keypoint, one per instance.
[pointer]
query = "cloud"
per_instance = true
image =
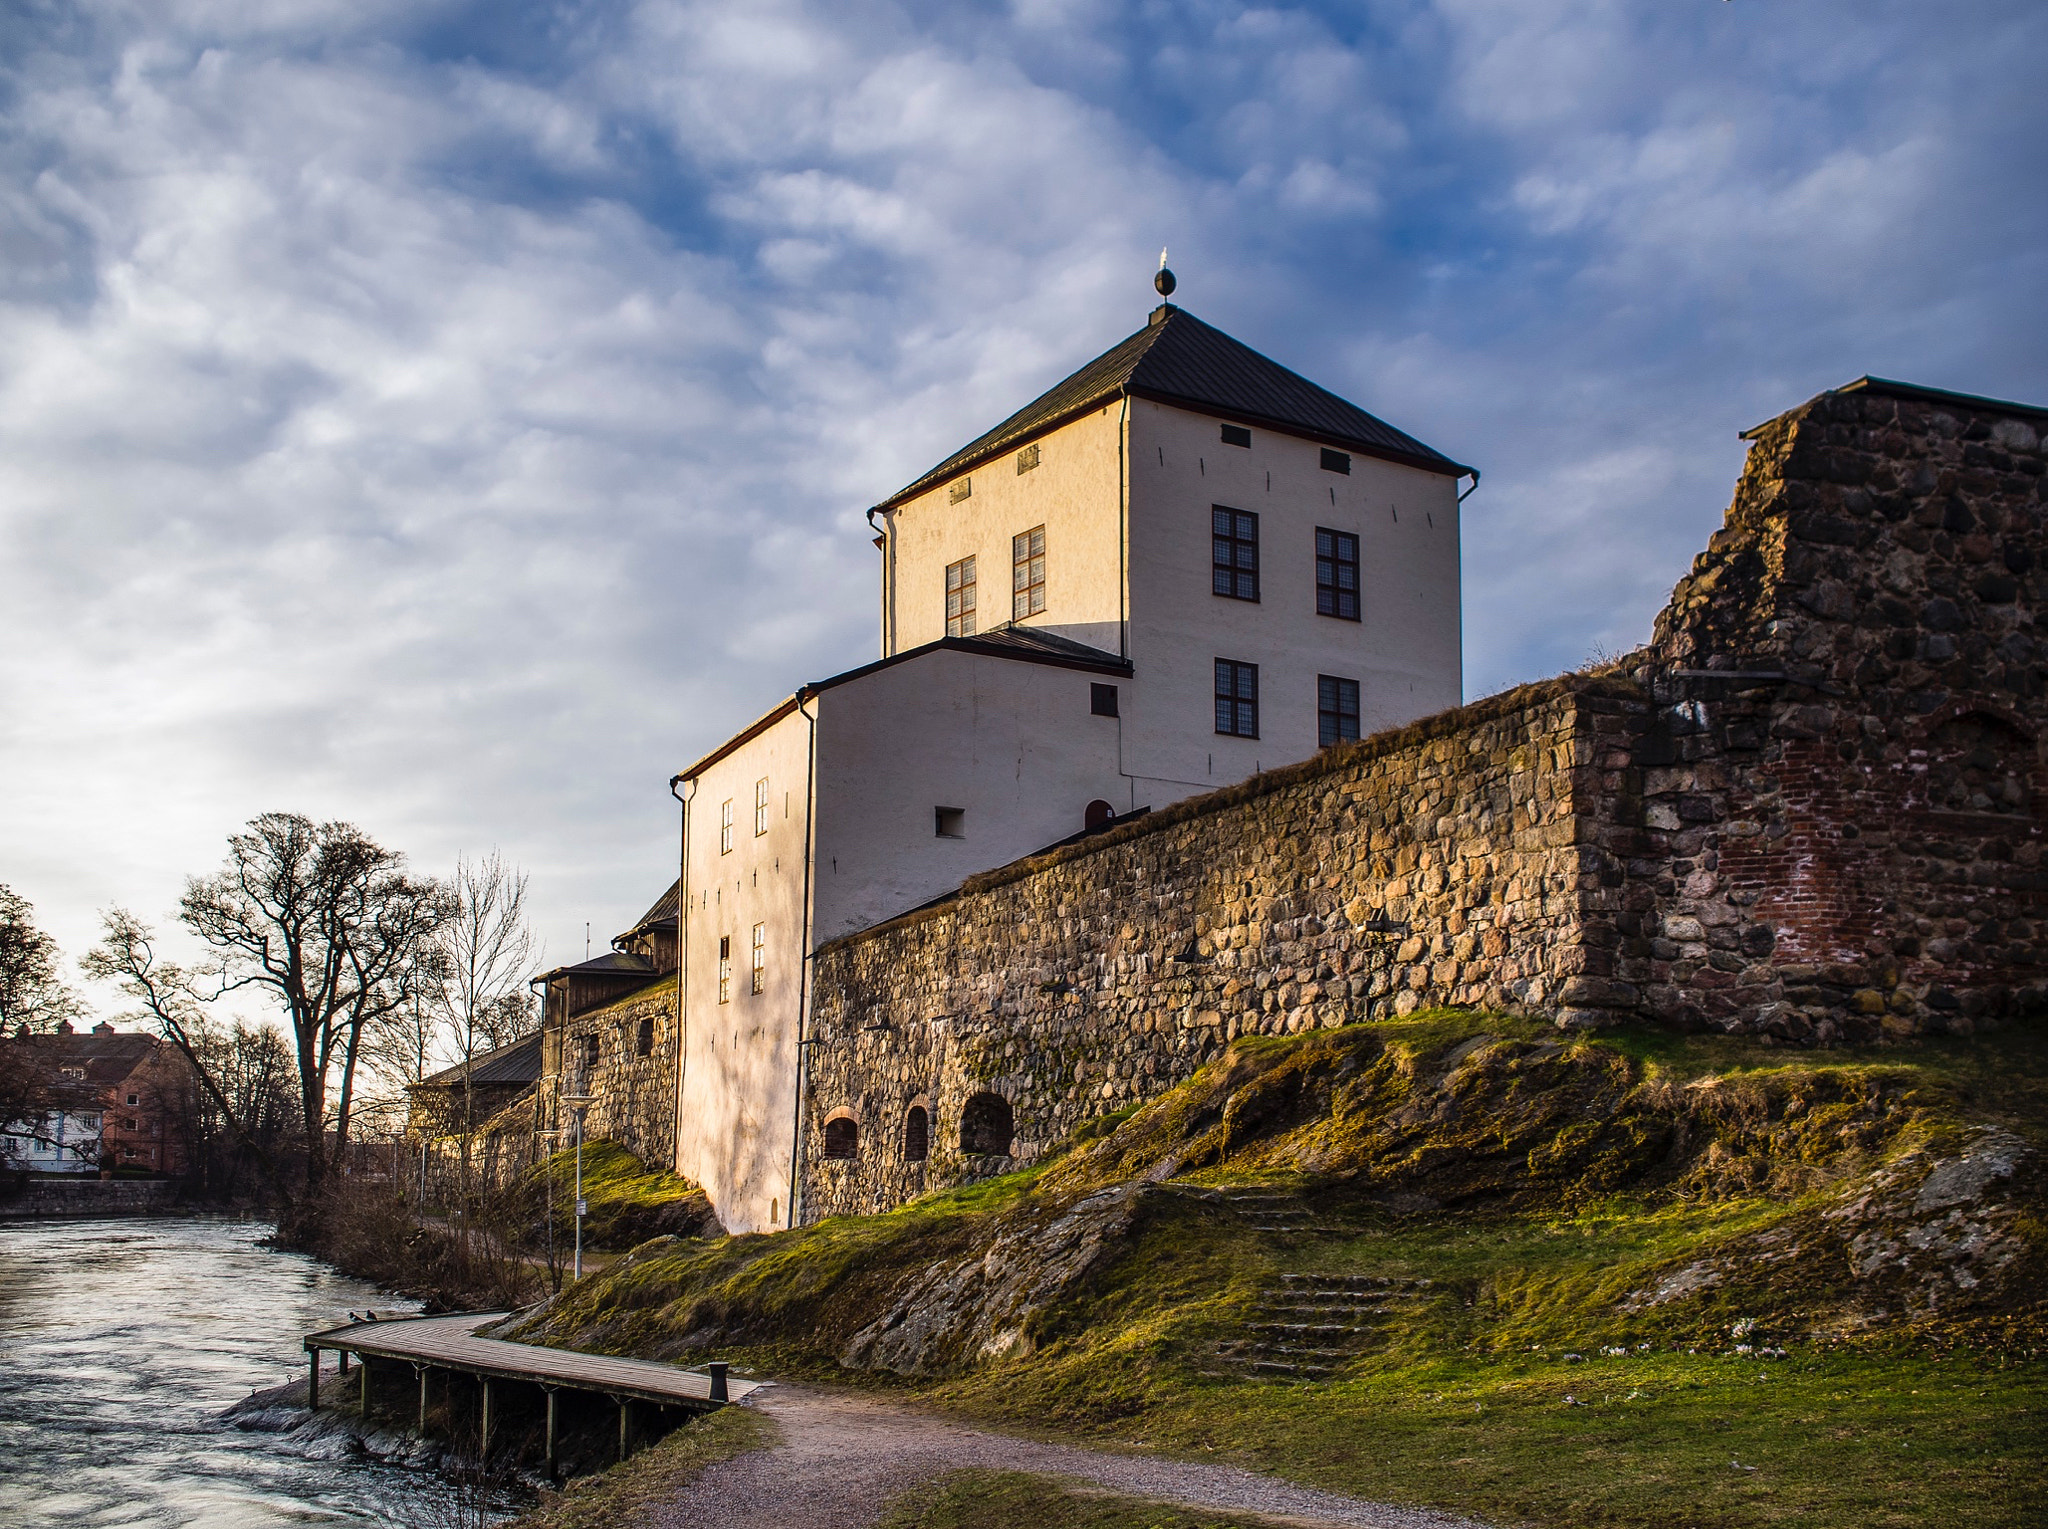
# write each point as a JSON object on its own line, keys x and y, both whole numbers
{"x": 455, "y": 417}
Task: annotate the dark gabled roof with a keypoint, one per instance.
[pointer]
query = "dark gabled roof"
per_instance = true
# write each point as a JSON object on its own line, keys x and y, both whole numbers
{"x": 663, "y": 912}
{"x": 1024, "y": 643}
{"x": 107, "y": 1056}
{"x": 517, "y": 1063}
{"x": 1178, "y": 359}
{"x": 613, "y": 963}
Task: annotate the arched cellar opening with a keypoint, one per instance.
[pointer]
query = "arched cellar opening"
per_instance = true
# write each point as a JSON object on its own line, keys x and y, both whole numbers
{"x": 986, "y": 1126}
{"x": 917, "y": 1134}
{"x": 842, "y": 1137}
{"x": 1099, "y": 814}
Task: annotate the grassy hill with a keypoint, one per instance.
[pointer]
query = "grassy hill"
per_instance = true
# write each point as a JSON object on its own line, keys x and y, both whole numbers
{"x": 1457, "y": 1259}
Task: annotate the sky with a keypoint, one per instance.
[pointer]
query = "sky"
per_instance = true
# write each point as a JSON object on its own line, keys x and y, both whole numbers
{"x": 455, "y": 417}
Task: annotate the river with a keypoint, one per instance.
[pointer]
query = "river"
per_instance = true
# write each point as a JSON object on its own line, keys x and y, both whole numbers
{"x": 121, "y": 1342}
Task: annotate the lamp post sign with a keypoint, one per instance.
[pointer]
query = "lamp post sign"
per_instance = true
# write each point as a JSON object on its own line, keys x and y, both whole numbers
{"x": 577, "y": 1096}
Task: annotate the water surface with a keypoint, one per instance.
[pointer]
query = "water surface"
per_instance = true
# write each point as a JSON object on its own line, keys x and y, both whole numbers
{"x": 121, "y": 1342}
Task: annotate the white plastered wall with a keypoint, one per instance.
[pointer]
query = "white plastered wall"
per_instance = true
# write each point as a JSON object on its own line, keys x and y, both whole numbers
{"x": 1406, "y": 652}
{"x": 737, "y": 1116}
{"x": 1011, "y": 743}
{"x": 1073, "y": 492}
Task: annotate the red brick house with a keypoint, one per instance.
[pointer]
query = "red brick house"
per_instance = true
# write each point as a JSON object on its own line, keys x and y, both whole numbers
{"x": 106, "y": 1098}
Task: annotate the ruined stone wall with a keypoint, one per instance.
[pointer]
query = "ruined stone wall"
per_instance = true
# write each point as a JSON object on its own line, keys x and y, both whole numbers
{"x": 1826, "y": 821}
{"x": 1812, "y": 809}
{"x": 1090, "y": 979}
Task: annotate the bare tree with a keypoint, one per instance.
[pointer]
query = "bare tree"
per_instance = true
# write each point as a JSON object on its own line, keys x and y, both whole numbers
{"x": 172, "y": 1001}
{"x": 482, "y": 959}
{"x": 323, "y": 919}
{"x": 31, "y": 1000}
{"x": 30, "y": 994}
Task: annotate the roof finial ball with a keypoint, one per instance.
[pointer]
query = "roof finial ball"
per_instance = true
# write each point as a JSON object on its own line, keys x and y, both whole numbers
{"x": 1164, "y": 280}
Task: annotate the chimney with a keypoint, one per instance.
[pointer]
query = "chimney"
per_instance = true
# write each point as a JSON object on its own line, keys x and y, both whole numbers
{"x": 64, "y": 1027}
{"x": 103, "y": 1028}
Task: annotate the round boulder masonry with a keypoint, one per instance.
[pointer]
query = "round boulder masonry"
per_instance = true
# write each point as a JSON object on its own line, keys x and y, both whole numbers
{"x": 1810, "y": 810}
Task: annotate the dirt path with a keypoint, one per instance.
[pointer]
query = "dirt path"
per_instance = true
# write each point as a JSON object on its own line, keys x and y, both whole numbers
{"x": 844, "y": 1456}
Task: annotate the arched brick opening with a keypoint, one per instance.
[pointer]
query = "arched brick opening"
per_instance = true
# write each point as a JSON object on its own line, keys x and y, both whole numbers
{"x": 917, "y": 1134}
{"x": 987, "y": 1126}
{"x": 842, "y": 1137}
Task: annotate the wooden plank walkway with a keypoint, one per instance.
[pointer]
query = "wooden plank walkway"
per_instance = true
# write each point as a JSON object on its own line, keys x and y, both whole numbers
{"x": 451, "y": 1343}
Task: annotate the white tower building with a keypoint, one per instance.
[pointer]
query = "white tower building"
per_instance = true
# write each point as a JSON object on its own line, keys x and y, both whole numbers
{"x": 1182, "y": 565}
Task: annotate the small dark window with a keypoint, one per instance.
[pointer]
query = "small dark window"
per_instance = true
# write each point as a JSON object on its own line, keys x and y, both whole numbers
{"x": 960, "y": 597}
{"x": 725, "y": 947}
{"x": 135, "y": 1098}
{"x": 842, "y": 1138}
{"x": 1099, "y": 814}
{"x": 987, "y": 1126}
{"x": 1336, "y": 710}
{"x": 1336, "y": 574}
{"x": 1237, "y": 698}
{"x": 1336, "y": 461}
{"x": 917, "y": 1135}
{"x": 962, "y": 488}
{"x": 1027, "y": 458}
{"x": 950, "y": 822}
{"x": 1236, "y": 435}
{"x": 586, "y": 1047}
{"x": 1235, "y": 554}
{"x": 644, "y": 1045}
{"x": 1102, "y": 700}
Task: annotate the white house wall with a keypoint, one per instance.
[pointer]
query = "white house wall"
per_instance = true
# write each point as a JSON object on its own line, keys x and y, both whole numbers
{"x": 737, "y": 1106}
{"x": 1406, "y": 651}
{"x": 1012, "y": 744}
{"x": 1073, "y": 492}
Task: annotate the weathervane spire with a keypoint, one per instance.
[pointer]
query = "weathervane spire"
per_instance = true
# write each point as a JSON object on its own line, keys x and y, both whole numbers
{"x": 1164, "y": 280}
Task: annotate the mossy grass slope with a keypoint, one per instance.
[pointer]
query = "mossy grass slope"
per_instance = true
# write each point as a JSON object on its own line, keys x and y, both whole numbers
{"x": 1773, "y": 1285}
{"x": 627, "y": 1202}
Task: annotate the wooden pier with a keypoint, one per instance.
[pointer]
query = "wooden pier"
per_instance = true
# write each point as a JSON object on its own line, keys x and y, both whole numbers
{"x": 450, "y": 1345}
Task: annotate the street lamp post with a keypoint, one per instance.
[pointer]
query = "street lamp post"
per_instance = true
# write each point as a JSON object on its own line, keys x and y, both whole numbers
{"x": 577, "y": 1097}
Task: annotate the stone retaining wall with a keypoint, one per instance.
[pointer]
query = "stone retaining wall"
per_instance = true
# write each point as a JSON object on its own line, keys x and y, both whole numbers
{"x": 1436, "y": 865}
{"x": 89, "y": 1197}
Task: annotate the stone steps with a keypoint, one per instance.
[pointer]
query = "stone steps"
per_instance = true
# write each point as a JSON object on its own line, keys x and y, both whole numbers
{"x": 1310, "y": 1326}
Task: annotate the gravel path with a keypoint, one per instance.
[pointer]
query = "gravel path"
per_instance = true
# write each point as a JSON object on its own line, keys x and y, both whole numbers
{"x": 844, "y": 1456}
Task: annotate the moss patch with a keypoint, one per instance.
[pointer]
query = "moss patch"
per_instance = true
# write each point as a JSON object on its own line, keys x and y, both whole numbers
{"x": 627, "y": 1202}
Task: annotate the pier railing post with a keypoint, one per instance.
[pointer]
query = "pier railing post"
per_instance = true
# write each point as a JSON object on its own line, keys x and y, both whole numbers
{"x": 551, "y": 1431}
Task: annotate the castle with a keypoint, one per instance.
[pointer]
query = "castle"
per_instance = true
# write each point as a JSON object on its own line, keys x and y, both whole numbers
{"x": 1042, "y": 859}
